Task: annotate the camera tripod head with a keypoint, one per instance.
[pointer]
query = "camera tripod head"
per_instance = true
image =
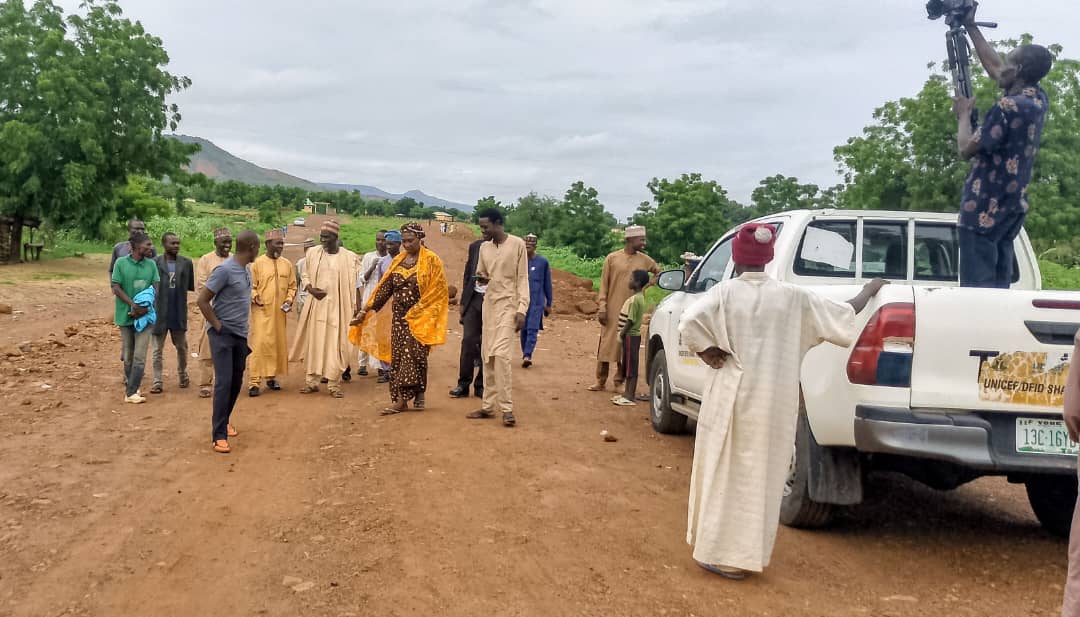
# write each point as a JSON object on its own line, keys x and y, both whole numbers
{"x": 954, "y": 12}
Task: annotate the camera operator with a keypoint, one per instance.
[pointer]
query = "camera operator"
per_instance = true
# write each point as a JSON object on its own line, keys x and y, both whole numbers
{"x": 995, "y": 203}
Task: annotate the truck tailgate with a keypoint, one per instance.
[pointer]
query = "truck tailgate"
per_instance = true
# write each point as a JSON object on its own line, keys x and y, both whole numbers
{"x": 992, "y": 350}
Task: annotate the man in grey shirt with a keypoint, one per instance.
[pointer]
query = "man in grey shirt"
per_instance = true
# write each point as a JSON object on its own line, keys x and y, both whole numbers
{"x": 225, "y": 302}
{"x": 123, "y": 249}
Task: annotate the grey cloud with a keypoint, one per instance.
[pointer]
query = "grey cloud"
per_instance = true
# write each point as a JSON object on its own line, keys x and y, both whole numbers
{"x": 479, "y": 97}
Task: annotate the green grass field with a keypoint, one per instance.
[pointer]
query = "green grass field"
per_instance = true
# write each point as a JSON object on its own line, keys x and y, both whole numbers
{"x": 358, "y": 233}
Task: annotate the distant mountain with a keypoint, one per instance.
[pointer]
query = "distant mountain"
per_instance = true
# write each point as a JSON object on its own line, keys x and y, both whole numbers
{"x": 377, "y": 193}
{"x": 218, "y": 164}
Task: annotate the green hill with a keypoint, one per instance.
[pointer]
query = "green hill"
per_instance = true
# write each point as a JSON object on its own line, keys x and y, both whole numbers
{"x": 218, "y": 164}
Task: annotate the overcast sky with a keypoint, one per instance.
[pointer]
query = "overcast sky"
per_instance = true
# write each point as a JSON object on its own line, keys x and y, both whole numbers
{"x": 475, "y": 97}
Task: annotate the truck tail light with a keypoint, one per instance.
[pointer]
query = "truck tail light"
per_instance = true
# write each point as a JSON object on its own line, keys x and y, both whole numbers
{"x": 882, "y": 355}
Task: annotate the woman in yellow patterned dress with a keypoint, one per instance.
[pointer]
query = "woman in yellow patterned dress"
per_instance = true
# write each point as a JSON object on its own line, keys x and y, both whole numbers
{"x": 416, "y": 281}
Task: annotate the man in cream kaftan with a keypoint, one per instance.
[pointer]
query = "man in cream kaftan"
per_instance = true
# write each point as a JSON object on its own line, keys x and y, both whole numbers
{"x": 322, "y": 337}
{"x": 761, "y": 328}
{"x": 203, "y": 268}
{"x": 502, "y": 265}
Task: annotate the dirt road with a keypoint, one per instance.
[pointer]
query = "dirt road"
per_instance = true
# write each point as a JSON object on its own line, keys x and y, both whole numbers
{"x": 326, "y": 508}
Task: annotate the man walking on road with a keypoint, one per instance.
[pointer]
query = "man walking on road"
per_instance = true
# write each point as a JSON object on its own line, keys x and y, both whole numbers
{"x": 365, "y": 286}
{"x": 322, "y": 338}
{"x": 273, "y": 289}
{"x": 203, "y": 269}
{"x": 225, "y": 302}
{"x": 539, "y": 300}
{"x": 132, "y": 276}
{"x": 753, "y": 331}
{"x": 177, "y": 275}
{"x": 472, "y": 322}
{"x": 614, "y": 292}
{"x": 503, "y": 266}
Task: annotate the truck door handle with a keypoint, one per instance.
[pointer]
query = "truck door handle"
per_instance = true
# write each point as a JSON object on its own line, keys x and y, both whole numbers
{"x": 1052, "y": 332}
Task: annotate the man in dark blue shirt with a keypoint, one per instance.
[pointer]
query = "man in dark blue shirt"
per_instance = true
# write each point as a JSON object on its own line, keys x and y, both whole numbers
{"x": 994, "y": 203}
{"x": 225, "y": 302}
{"x": 177, "y": 275}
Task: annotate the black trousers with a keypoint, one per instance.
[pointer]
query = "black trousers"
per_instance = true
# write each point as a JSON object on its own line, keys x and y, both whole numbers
{"x": 986, "y": 259}
{"x": 230, "y": 356}
{"x": 473, "y": 321}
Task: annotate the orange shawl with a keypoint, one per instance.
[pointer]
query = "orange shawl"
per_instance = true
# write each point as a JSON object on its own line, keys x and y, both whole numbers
{"x": 427, "y": 318}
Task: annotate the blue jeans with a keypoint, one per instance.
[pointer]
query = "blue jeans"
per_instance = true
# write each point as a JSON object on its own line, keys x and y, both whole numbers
{"x": 230, "y": 354}
{"x": 135, "y": 345}
{"x": 529, "y": 338}
{"x": 986, "y": 259}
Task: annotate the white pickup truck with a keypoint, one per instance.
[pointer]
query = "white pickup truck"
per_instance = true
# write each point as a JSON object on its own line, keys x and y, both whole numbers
{"x": 944, "y": 384}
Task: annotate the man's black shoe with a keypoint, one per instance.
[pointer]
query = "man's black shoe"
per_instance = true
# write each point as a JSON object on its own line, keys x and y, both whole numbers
{"x": 479, "y": 392}
{"x": 347, "y": 375}
{"x": 459, "y": 392}
{"x": 363, "y": 371}
{"x": 273, "y": 385}
{"x": 253, "y": 391}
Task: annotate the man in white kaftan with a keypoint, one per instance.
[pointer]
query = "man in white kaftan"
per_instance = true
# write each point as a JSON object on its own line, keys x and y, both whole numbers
{"x": 755, "y": 331}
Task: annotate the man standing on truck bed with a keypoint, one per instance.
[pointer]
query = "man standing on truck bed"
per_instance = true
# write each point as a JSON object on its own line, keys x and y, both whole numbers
{"x": 994, "y": 203}
{"x": 614, "y": 292}
{"x": 754, "y": 331}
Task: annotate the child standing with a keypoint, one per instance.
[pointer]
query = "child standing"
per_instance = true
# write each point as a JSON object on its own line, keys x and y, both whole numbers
{"x": 630, "y": 318}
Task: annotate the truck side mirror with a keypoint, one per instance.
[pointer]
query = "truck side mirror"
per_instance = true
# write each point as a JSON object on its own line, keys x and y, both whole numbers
{"x": 672, "y": 280}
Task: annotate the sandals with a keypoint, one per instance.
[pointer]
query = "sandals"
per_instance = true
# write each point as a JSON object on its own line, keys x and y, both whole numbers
{"x": 185, "y": 383}
{"x": 231, "y": 431}
{"x": 205, "y": 393}
{"x": 391, "y": 411}
{"x": 157, "y": 389}
{"x": 481, "y": 415}
{"x": 309, "y": 389}
{"x": 596, "y": 387}
{"x": 509, "y": 419}
{"x": 419, "y": 404}
{"x": 526, "y": 363}
{"x": 734, "y": 574}
{"x": 622, "y": 401}
{"x": 221, "y": 446}
{"x": 337, "y": 393}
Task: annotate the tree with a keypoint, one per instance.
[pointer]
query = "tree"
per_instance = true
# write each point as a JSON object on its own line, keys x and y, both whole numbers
{"x": 687, "y": 214}
{"x": 532, "y": 214}
{"x": 781, "y": 193}
{"x": 134, "y": 200}
{"x": 907, "y": 159}
{"x": 581, "y": 223}
{"x": 83, "y": 108}
{"x": 270, "y": 211}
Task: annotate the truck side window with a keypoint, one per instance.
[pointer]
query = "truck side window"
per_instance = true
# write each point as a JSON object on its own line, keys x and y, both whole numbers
{"x": 885, "y": 250}
{"x": 711, "y": 271}
{"x": 937, "y": 253}
{"x": 827, "y": 249}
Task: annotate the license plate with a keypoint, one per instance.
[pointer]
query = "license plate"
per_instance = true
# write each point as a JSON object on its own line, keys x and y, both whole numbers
{"x": 1038, "y": 436}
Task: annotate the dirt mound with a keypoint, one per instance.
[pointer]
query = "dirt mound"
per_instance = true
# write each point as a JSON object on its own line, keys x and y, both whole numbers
{"x": 574, "y": 296}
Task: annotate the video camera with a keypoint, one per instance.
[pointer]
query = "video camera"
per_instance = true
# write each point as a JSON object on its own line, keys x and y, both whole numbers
{"x": 951, "y": 10}
{"x": 956, "y": 43}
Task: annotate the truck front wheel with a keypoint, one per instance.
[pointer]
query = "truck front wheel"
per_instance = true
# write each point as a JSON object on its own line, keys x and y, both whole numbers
{"x": 664, "y": 419}
{"x": 797, "y": 508}
{"x": 1052, "y": 498}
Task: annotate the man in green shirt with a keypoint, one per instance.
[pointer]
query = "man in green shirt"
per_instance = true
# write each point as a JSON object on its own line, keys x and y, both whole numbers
{"x": 132, "y": 274}
{"x": 630, "y": 319}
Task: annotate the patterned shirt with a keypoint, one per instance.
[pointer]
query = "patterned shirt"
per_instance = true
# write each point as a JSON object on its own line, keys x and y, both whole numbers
{"x": 1008, "y": 143}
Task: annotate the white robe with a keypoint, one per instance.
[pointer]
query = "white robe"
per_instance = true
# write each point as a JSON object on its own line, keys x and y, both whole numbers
{"x": 746, "y": 430}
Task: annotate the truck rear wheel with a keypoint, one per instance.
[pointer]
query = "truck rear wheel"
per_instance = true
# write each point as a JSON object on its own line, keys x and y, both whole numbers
{"x": 797, "y": 508}
{"x": 1052, "y": 498}
{"x": 664, "y": 419}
